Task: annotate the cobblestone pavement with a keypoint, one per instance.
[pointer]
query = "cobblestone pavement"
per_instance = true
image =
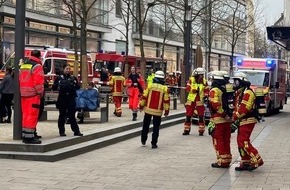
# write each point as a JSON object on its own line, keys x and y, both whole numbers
{"x": 180, "y": 162}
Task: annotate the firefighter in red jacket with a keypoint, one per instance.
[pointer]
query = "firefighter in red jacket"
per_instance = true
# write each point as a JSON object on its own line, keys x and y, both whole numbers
{"x": 220, "y": 122}
{"x": 244, "y": 117}
{"x": 117, "y": 82}
{"x": 198, "y": 90}
{"x": 31, "y": 81}
{"x": 155, "y": 99}
{"x": 135, "y": 84}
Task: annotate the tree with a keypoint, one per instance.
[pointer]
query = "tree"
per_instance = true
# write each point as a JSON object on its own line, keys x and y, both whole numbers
{"x": 139, "y": 14}
{"x": 123, "y": 8}
{"x": 80, "y": 12}
{"x": 240, "y": 20}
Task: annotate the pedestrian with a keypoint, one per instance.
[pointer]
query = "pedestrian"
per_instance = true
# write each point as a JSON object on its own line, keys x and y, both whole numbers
{"x": 67, "y": 85}
{"x": 198, "y": 90}
{"x": 117, "y": 82}
{"x": 244, "y": 116}
{"x": 220, "y": 122}
{"x": 135, "y": 85}
{"x": 7, "y": 93}
{"x": 31, "y": 81}
{"x": 155, "y": 99}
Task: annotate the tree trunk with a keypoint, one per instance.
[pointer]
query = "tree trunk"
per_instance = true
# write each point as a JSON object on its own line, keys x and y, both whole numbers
{"x": 84, "y": 65}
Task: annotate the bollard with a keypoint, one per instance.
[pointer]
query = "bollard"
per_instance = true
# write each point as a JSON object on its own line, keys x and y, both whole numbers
{"x": 174, "y": 102}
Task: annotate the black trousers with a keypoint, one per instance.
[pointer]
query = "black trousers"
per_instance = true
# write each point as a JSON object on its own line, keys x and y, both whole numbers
{"x": 67, "y": 108}
{"x": 5, "y": 105}
{"x": 145, "y": 129}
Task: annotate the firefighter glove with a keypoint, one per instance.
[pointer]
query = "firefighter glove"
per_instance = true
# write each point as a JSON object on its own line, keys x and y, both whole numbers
{"x": 235, "y": 125}
{"x": 211, "y": 127}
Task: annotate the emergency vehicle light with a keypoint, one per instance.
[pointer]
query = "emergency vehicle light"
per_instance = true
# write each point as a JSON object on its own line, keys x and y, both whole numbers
{"x": 239, "y": 61}
{"x": 270, "y": 62}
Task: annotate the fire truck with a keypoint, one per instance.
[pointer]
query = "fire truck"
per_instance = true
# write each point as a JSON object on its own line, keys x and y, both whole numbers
{"x": 109, "y": 61}
{"x": 105, "y": 64}
{"x": 270, "y": 74}
{"x": 53, "y": 60}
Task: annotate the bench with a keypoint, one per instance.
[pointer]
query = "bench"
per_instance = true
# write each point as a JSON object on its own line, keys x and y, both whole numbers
{"x": 104, "y": 111}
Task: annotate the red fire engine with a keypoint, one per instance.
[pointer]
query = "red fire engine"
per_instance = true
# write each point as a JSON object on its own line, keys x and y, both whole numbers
{"x": 106, "y": 62}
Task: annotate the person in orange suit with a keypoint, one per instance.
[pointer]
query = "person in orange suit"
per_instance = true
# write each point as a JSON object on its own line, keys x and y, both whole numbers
{"x": 135, "y": 85}
{"x": 31, "y": 81}
{"x": 244, "y": 117}
{"x": 117, "y": 82}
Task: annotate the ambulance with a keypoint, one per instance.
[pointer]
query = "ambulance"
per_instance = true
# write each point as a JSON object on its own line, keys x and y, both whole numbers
{"x": 269, "y": 74}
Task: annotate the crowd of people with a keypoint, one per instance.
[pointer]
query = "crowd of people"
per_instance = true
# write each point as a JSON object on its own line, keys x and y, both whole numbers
{"x": 232, "y": 106}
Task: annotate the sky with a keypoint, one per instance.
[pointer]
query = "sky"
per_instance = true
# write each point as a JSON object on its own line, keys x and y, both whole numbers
{"x": 272, "y": 10}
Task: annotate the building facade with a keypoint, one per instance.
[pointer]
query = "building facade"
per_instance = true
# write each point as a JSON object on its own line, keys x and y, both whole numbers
{"x": 48, "y": 23}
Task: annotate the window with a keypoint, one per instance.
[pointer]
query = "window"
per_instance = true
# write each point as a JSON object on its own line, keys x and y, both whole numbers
{"x": 47, "y": 66}
{"x": 58, "y": 66}
{"x": 119, "y": 8}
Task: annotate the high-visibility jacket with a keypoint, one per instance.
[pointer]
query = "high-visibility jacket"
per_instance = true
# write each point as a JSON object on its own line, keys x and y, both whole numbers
{"x": 244, "y": 106}
{"x": 155, "y": 99}
{"x": 31, "y": 78}
{"x": 218, "y": 114}
{"x": 193, "y": 88}
{"x": 117, "y": 83}
{"x": 150, "y": 78}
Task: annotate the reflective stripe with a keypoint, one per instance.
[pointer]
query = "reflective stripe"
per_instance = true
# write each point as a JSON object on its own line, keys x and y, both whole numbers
{"x": 28, "y": 130}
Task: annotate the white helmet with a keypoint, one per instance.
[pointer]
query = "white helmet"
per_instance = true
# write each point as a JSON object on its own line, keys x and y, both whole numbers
{"x": 159, "y": 74}
{"x": 241, "y": 76}
{"x": 216, "y": 75}
{"x": 117, "y": 70}
{"x": 198, "y": 71}
{"x": 226, "y": 74}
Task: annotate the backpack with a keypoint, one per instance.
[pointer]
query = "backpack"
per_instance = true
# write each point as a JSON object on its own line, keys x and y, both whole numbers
{"x": 259, "y": 107}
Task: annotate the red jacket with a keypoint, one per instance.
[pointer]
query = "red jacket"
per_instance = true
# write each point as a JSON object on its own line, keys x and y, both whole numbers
{"x": 31, "y": 78}
{"x": 117, "y": 83}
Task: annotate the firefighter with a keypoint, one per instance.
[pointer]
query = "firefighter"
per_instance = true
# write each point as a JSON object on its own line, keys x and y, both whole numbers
{"x": 117, "y": 82}
{"x": 198, "y": 90}
{"x": 244, "y": 115}
{"x": 150, "y": 77}
{"x": 31, "y": 81}
{"x": 220, "y": 122}
{"x": 135, "y": 85}
{"x": 67, "y": 85}
{"x": 155, "y": 99}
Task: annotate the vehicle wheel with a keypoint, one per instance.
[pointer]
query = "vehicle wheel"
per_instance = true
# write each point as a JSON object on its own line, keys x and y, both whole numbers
{"x": 269, "y": 109}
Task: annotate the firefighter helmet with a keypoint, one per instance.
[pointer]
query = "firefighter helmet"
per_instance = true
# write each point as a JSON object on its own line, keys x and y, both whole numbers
{"x": 240, "y": 75}
{"x": 216, "y": 75}
{"x": 198, "y": 71}
{"x": 117, "y": 70}
{"x": 159, "y": 74}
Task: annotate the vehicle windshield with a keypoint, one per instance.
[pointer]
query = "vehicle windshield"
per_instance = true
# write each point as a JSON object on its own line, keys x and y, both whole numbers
{"x": 258, "y": 78}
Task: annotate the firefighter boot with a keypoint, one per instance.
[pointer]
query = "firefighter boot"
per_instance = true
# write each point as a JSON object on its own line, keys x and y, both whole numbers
{"x": 134, "y": 116}
{"x": 186, "y": 128}
{"x": 201, "y": 129}
{"x": 31, "y": 141}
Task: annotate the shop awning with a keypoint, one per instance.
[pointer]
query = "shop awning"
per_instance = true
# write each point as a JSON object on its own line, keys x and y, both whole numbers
{"x": 280, "y": 35}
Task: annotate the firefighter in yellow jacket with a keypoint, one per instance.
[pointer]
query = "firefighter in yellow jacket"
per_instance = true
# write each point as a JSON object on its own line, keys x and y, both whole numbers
{"x": 197, "y": 89}
{"x": 155, "y": 99}
{"x": 117, "y": 82}
{"x": 220, "y": 122}
{"x": 244, "y": 115}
